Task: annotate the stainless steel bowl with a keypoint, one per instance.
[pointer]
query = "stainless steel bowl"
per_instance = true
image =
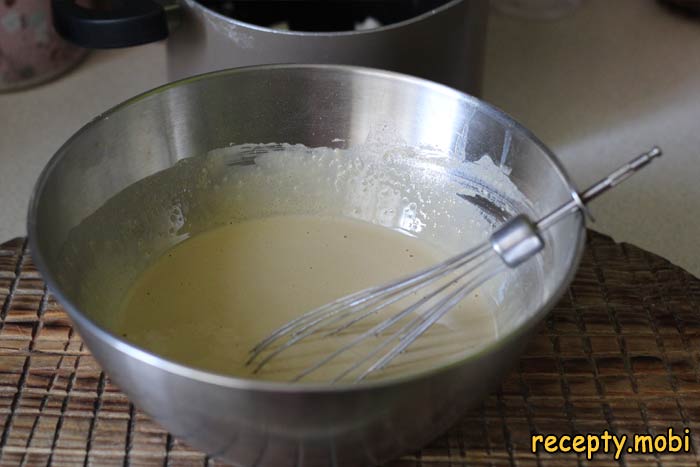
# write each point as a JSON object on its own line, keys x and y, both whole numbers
{"x": 266, "y": 423}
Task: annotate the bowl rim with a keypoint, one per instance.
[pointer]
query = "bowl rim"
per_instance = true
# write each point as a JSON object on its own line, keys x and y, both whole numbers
{"x": 118, "y": 343}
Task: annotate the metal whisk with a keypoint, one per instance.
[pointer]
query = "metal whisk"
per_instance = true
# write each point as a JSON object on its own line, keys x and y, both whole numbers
{"x": 513, "y": 243}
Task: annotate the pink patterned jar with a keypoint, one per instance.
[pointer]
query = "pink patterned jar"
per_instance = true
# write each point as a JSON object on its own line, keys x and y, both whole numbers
{"x": 31, "y": 52}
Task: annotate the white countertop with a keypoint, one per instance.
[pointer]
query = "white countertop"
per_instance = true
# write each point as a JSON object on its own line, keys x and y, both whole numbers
{"x": 599, "y": 86}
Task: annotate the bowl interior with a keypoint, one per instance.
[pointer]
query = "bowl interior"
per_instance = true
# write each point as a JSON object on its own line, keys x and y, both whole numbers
{"x": 103, "y": 209}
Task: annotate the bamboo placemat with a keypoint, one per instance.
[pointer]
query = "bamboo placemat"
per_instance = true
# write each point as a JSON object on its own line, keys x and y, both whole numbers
{"x": 620, "y": 352}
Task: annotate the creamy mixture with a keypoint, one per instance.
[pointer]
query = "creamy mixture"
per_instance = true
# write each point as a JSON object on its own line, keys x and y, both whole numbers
{"x": 223, "y": 248}
{"x": 207, "y": 301}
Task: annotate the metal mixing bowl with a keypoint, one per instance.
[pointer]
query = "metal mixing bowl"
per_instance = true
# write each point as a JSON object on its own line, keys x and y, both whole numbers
{"x": 267, "y": 423}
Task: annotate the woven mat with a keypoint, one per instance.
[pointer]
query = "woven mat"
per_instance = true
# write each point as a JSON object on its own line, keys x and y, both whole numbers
{"x": 620, "y": 352}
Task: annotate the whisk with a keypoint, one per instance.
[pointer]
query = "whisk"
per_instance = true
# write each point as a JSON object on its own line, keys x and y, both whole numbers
{"x": 513, "y": 243}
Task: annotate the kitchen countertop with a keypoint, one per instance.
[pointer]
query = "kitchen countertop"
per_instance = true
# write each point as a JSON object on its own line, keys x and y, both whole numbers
{"x": 598, "y": 86}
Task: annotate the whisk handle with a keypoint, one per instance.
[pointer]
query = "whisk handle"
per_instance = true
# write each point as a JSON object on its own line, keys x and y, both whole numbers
{"x": 620, "y": 175}
{"x": 520, "y": 238}
{"x": 579, "y": 200}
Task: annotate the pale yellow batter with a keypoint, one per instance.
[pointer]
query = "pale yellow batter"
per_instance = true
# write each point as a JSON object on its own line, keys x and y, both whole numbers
{"x": 208, "y": 300}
